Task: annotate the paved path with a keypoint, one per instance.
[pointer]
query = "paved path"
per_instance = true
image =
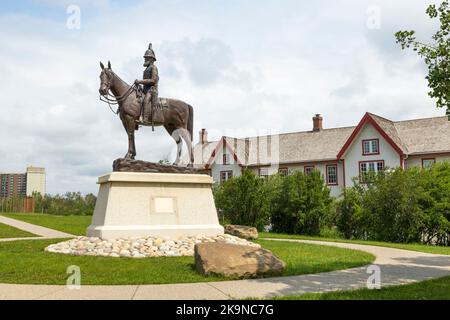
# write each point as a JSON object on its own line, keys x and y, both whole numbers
{"x": 42, "y": 232}
{"x": 397, "y": 267}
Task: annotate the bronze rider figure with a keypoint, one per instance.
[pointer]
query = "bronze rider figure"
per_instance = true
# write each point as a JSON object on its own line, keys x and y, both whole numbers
{"x": 150, "y": 86}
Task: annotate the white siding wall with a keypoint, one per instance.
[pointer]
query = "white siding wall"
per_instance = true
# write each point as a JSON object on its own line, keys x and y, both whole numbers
{"x": 218, "y": 166}
{"x": 416, "y": 161}
{"x": 354, "y": 153}
{"x": 335, "y": 191}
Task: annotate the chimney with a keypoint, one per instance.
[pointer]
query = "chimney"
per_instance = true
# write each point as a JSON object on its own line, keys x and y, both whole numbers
{"x": 203, "y": 136}
{"x": 317, "y": 123}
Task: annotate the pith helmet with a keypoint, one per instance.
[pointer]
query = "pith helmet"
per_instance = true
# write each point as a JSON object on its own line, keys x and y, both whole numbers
{"x": 150, "y": 53}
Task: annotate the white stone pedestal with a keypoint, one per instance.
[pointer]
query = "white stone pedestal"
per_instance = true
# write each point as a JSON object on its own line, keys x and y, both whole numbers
{"x": 154, "y": 204}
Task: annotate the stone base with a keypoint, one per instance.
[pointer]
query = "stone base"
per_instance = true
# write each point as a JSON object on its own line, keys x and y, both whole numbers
{"x": 127, "y": 165}
{"x": 154, "y": 204}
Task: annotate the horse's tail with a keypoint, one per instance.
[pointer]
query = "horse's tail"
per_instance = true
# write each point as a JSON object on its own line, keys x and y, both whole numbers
{"x": 190, "y": 125}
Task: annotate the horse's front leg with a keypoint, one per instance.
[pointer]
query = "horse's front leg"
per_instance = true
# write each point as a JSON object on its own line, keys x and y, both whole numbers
{"x": 131, "y": 154}
{"x": 130, "y": 127}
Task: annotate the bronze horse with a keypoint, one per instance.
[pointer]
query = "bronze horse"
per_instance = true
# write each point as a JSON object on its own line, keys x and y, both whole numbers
{"x": 178, "y": 116}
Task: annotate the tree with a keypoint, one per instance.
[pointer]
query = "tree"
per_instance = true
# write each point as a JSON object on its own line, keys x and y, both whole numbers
{"x": 351, "y": 218}
{"x": 436, "y": 55}
{"x": 301, "y": 205}
{"x": 435, "y": 204}
{"x": 243, "y": 200}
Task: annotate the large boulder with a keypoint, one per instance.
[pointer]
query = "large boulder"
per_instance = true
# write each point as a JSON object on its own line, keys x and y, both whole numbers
{"x": 249, "y": 233}
{"x": 236, "y": 260}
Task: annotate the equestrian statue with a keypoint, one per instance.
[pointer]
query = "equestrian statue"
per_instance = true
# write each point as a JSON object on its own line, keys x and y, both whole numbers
{"x": 139, "y": 105}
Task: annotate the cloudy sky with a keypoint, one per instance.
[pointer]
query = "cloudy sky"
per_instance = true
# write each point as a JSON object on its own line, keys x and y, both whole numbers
{"x": 247, "y": 67}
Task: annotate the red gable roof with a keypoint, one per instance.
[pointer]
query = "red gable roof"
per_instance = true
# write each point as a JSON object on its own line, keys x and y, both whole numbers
{"x": 369, "y": 119}
{"x": 220, "y": 145}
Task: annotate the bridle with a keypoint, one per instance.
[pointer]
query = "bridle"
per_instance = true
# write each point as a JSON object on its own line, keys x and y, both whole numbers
{"x": 111, "y": 99}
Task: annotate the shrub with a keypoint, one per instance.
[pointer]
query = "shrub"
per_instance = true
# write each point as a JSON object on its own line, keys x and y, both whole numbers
{"x": 301, "y": 205}
{"x": 435, "y": 204}
{"x": 351, "y": 220}
{"x": 242, "y": 200}
{"x": 411, "y": 205}
{"x": 392, "y": 206}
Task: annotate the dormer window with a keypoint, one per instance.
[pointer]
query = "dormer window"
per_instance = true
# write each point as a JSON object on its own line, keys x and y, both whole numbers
{"x": 370, "y": 147}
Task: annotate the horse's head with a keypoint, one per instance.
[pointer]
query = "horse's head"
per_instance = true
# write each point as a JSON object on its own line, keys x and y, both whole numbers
{"x": 106, "y": 79}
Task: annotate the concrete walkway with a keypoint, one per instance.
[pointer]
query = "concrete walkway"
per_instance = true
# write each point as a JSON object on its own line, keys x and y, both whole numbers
{"x": 397, "y": 267}
{"x": 42, "y": 232}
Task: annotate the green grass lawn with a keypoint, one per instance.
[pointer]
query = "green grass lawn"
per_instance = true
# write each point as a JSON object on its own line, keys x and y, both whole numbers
{"x": 26, "y": 262}
{"x": 11, "y": 232}
{"x": 413, "y": 247}
{"x": 75, "y": 225}
{"x": 437, "y": 289}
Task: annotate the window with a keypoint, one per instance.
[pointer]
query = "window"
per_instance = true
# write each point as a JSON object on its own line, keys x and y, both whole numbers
{"x": 225, "y": 176}
{"x": 308, "y": 170}
{"x": 428, "y": 163}
{"x": 371, "y": 147}
{"x": 370, "y": 167}
{"x": 332, "y": 179}
{"x": 283, "y": 171}
{"x": 264, "y": 172}
{"x": 226, "y": 159}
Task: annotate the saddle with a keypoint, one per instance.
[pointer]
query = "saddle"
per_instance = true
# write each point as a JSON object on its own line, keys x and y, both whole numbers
{"x": 158, "y": 111}
{"x": 157, "y": 114}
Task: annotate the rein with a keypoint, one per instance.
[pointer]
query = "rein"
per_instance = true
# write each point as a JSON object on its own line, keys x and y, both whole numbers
{"x": 113, "y": 100}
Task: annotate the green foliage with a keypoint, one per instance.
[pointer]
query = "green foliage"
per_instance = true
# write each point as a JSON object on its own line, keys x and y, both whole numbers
{"x": 243, "y": 200}
{"x": 351, "y": 219}
{"x": 392, "y": 206}
{"x": 72, "y": 203}
{"x": 399, "y": 206}
{"x": 329, "y": 232}
{"x": 435, "y": 203}
{"x": 292, "y": 204}
{"x": 301, "y": 205}
{"x": 402, "y": 206}
{"x": 436, "y": 56}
